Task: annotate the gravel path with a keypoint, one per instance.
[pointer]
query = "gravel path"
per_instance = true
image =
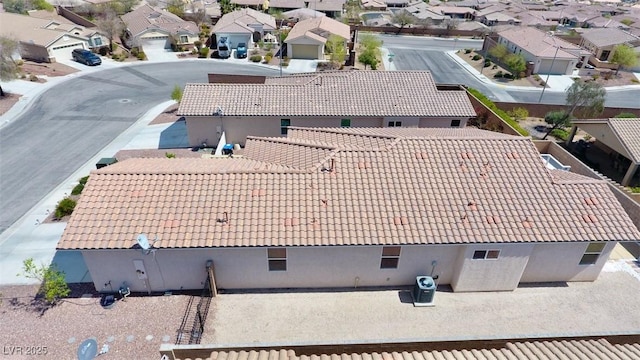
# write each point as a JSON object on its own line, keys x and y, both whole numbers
{"x": 133, "y": 329}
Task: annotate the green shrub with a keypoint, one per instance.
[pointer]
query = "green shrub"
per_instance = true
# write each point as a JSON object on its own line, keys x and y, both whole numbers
{"x": 83, "y": 180}
{"x": 498, "y": 75}
{"x": 65, "y": 207}
{"x": 503, "y": 115}
{"x": 476, "y": 57}
{"x": 269, "y": 54}
{"x": 53, "y": 281}
{"x": 77, "y": 190}
{"x": 519, "y": 113}
{"x": 595, "y": 76}
{"x": 33, "y": 78}
{"x": 134, "y": 51}
{"x": 634, "y": 80}
{"x": 256, "y": 58}
{"x": 561, "y": 134}
{"x": 170, "y": 155}
{"x": 267, "y": 58}
{"x": 635, "y": 189}
{"x": 197, "y": 44}
{"x": 204, "y": 52}
{"x": 141, "y": 55}
{"x": 626, "y": 115}
{"x": 467, "y": 51}
{"x": 487, "y": 62}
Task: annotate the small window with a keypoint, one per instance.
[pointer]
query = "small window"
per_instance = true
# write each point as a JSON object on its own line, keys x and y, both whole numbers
{"x": 592, "y": 253}
{"x": 394, "y": 123}
{"x": 455, "y": 123}
{"x": 284, "y": 123}
{"x": 390, "y": 257}
{"x": 184, "y": 39}
{"x": 277, "y": 259}
{"x": 345, "y": 123}
{"x": 97, "y": 41}
{"x": 486, "y": 254}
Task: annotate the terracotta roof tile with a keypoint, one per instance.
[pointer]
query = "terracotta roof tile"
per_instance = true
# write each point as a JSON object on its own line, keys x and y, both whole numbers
{"x": 380, "y": 93}
{"x": 368, "y": 194}
{"x": 147, "y": 18}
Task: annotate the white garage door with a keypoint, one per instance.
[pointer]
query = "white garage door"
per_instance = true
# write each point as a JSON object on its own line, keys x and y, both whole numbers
{"x": 304, "y": 51}
{"x": 63, "y": 53}
{"x": 559, "y": 67}
{"x": 156, "y": 43}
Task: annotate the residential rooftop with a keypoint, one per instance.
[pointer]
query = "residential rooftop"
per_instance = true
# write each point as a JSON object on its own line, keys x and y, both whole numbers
{"x": 147, "y": 18}
{"x": 609, "y": 36}
{"x": 538, "y": 43}
{"x": 319, "y": 28}
{"x": 352, "y": 93}
{"x": 328, "y": 187}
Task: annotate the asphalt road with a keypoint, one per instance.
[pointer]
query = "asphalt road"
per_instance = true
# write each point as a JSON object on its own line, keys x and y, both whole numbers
{"x": 427, "y": 53}
{"x": 70, "y": 123}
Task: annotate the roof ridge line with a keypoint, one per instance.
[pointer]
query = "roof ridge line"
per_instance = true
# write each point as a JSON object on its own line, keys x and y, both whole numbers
{"x": 290, "y": 141}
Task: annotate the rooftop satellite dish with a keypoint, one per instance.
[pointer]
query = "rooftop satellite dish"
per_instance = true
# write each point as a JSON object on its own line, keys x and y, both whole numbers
{"x": 143, "y": 241}
{"x": 88, "y": 349}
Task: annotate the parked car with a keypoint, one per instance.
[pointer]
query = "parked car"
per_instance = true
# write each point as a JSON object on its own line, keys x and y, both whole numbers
{"x": 85, "y": 57}
{"x": 241, "y": 51}
{"x": 224, "y": 48}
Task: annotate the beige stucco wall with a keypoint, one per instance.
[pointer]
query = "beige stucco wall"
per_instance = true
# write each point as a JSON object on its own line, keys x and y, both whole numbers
{"x": 559, "y": 262}
{"x": 209, "y": 128}
{"x": 502, "y": 274}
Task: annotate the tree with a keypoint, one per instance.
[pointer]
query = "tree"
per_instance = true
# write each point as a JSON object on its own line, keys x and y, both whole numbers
{"x": 403, "y": 18}
{"x": 625, "y": 56}
{"x": 499, "y": 51}
{"x": 8, "y": 66}
{"x": 110, "y": 23}
{"x": 53, "y": 282}
{"x": 368, "y": 57}
{"x": 337, "y": 49}
{"x": 226, "y": 6}
{"x": 370, "y": 51}
{"x": 588, "y": 96}
{"x": 176, "y": 94}
{"x": 368, "y": 41}
{"x": 176, "y": 7}
{"x": 15, "y": 6}
{"x": 516, "y": 63}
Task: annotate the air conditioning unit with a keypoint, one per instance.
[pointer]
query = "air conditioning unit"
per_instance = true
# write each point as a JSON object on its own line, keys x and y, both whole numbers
{"x": 424, "y": 291}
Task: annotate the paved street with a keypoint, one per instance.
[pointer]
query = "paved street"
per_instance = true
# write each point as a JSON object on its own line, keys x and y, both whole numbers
{"x": 427, "y": 53}
{"x": 68, "y": 124}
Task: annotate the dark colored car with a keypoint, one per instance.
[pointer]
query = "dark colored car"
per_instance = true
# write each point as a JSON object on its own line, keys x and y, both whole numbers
{"x": 241, "y": 51}
{"x": 86, "y": 57}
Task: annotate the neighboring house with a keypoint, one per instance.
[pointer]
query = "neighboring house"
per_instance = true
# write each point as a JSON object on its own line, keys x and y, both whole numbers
{"x": 621, "y": 348}
{"x": 253, "y": 4}
{"x": 244, "y": 25}
{"x": 332, "y": 8}
{"x": 307, "y": 38}
{"x": 601, "y": 43}
{"x": 498, "y": 18}
{"x": 374, "y": 5}
{"x": 154, "y": 28}
{"x": 48, "y": 37}
{"x": 454, "y": 12}
{"x": 615, "y": 136}
{"x": 354, "y": 98}
{"x": 327, "y": 208}
{"x": 423, "y": 11}
{"x": 549, "y": 54}
{"x": 301, "y": 14}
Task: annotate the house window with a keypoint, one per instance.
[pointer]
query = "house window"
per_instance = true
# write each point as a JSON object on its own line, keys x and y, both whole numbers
{"x": 184, "y": 39}
{"x": 345, "y": 123}
{"x": 605, "y": 55}
{"x": 486, "y": 254}
{"x": 592, "y": 253}
{"x": 390, "y": 257}
{"x": 394, "y": 123}
{"x": 284, "y": 123}
{"x": 455, "y": 123}
{"x": 97, "y": 41}
{"x": 277, "y": 259}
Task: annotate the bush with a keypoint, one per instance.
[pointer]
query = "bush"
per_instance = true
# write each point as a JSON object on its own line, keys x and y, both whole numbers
{"x": 476, "y": 57}
{"x": 204, "y": 52}
{"x": 626, "y": 115}
{"x": 134, "y": 51}
{"x": 595, "y": 76}
{"x": 503, "y": 115}
{"x": 498, "y": 75}
{"x": 536, "y": 77}
{"x": 103, "y": 50}
{"x": 83, "y": 180}
{"x": 197, "y": 44}
{"x": 467, "y": 51}
{"x": 519, "y": 113}
{"x": 487, "y": 62}
{"x": 255, "y": 58}
{"x": 561, "y": 134}
{"x": 33, "y": 78}
{"x": 170, "y": 155}
{"x": 65, "y": 207}
{"x": 141, "y": 55}
{"x": 267, "y": 58}
{"x": 53, "y": 281}
{"x": 77, "y": 190}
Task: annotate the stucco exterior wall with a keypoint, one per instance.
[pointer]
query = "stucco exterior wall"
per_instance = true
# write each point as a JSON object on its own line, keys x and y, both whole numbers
{"x": 560, "y": 262}
{"x": 209, "y": 128}
{"x": 501, "y": 274}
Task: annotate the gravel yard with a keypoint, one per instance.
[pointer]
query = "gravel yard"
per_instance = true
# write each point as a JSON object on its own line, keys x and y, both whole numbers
{"x": 133, "y": 329}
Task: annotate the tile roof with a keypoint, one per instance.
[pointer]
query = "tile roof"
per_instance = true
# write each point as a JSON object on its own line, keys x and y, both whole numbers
{"x": 146, "y": 18}
{"x": 608, "y": 36}
{"x": 243, "y": 18}
{"x": 428, "y": 187}
{"x": 38, "y": 30}
{"x": 627, "y": 130}
{"x": 539, "y": 43}
{"x": 513, "y": 350}
{"x": 322, "y": 27}
{"x": 379, "y": 93}
{"x": 302, "y": 14}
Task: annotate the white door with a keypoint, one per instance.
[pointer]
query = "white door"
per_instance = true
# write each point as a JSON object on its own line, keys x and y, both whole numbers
{"x": 62, "y": 53}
